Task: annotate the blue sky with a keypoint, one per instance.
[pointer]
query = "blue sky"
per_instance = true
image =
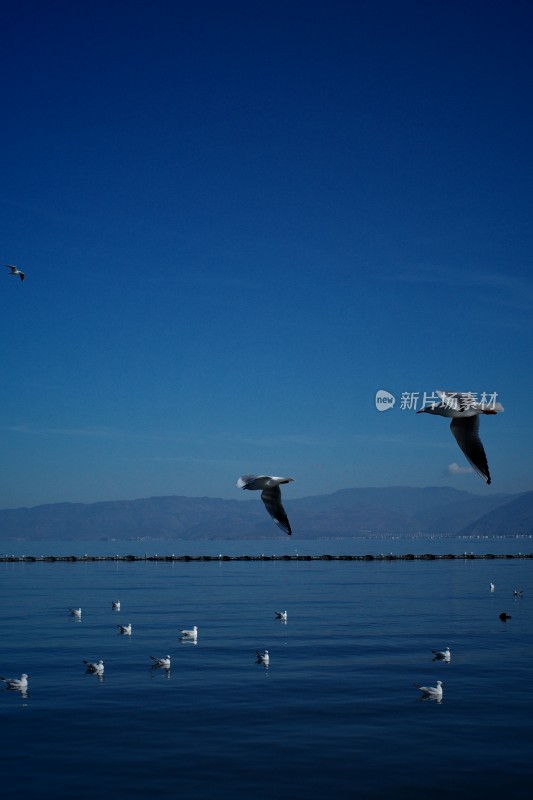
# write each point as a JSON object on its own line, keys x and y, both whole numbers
{"x": 238, "y": 221}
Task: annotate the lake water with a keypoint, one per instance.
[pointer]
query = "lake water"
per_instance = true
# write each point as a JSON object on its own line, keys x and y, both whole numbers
{"x": 336, "y": 714}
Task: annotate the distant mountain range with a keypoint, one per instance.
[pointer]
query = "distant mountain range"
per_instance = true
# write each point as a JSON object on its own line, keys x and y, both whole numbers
{"x": 399, "y": 510}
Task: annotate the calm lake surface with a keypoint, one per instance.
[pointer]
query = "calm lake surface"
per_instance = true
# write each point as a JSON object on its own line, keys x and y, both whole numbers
{"x": 336, "y": 714}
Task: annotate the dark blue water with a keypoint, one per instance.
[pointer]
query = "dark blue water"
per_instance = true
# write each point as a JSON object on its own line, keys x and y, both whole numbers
{"x": 336, "y": 713}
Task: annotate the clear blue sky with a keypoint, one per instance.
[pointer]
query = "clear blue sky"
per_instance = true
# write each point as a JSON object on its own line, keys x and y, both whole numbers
{"x": 239, "y": 220}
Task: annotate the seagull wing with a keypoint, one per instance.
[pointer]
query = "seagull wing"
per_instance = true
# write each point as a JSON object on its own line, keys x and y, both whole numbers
{"x": 271, "y": 497}
{"x": 466, "y": 432}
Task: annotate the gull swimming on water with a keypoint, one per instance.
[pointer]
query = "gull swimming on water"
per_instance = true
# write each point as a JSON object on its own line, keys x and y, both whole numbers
{"x": 492, "y": 587}
{"x": 115, "y": 605}
{"x": 435, "y": 692}
{"x": 263, "y": 658}
{"x": 96, "y": 666}
{"x": 270, "y": 495}
{"x": 16, "y": 683}
{"x": 465, "y": 424}
{"x": 125, "y": 629}
{"x": 161, "y": 662}
{"x": 504, "y": 617}
{"x": 15, "y": 271}
{"x": 282, "y": 615}
{"x": 191, "y": 634}
{"x": 76, "y": 612}
{"x": 442, "y": 655}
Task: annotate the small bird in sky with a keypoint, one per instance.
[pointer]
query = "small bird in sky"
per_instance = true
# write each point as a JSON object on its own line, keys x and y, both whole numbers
{"x": 125, "y": 629}
{"x": 465, "y": 424}
{"x": 17, "y": 683}
{"x": 270, "y": 495}
{"x": 434, "y": 692}
{"x": 15, "y": 271}
{"x": 161, "y": 662}
{"x": 94, "y": 666}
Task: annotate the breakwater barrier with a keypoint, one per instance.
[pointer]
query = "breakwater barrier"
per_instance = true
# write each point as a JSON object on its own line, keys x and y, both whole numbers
{"x": 324, "y": 557}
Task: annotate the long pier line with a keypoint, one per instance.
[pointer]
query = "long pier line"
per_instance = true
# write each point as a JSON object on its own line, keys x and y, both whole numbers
{"x": 325, "y": 557}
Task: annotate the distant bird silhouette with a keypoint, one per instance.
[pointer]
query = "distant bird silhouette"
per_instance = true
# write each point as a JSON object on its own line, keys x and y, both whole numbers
{"x": 15, "y": 271}
{"x": 282, "y": 615}
{"x": 504, "y": 617}
{"x": 270, "y": 495}
{"x": 465, "y": 425}
{"x": 518, "y": 592}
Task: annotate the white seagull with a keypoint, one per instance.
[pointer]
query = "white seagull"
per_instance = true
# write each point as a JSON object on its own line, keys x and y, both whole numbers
{"x": 161, "y": 662}
{"x": 270, "y": 495}
{"x": 465, "y": 424}
{"x": 76, "y": 612}
{"x": 96, "y": 666}
{"x": 263, "y": 658}
{"x": 442, "y": 655}
{"x": 15, "y": 271}
{"x": 282, "y": 615}
{"x": 115, "y": 605}
{"x": 125, "y": 629}
{"x": 192, "y": 633}
{"x": 16, "y": 683}
{"x": 518, "y": 592}
{"x": 431, "y": 691}
{"x": 492, "y": 587}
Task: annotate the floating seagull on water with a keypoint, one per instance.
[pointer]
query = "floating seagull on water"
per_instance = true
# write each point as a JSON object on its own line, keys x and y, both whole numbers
{"x": 16, "y": 683}
{"x": 97, "y": 666}
{"x": 263, "y": 658}
{"x": 504, "y": 617}
{"x": 15, "y": 271}
{"x": 161, "y": 662}
{"x": 115, "y": 605}
{"x": 270, "y": 495}
{"x": 465, "y": 425}
{"x": 282, "y": 615}
{"x": 434, "y": 692}
{"x": 518, "y": 592}
{"x": 442, "y": 655}
{"x": 125, "y": 629}
{"x": 190, "y": 634}
{"x": 492, "y": 587}
{"x": 76, "y": 612}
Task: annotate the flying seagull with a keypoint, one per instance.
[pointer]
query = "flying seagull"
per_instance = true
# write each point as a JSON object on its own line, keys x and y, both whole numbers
{"x": 15, "y": 271}
{"x": 431, "y": 691}
{"x": 465, "y": 425}
{"x": 270, "y": 495}
{"x": 17, "y": 683}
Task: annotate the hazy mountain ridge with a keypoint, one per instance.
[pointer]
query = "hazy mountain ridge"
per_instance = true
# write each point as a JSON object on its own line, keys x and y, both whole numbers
{"x": 347, "y": 512}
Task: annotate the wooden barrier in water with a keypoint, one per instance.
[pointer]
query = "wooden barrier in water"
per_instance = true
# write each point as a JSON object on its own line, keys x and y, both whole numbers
{"x": 325, "y": 557}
